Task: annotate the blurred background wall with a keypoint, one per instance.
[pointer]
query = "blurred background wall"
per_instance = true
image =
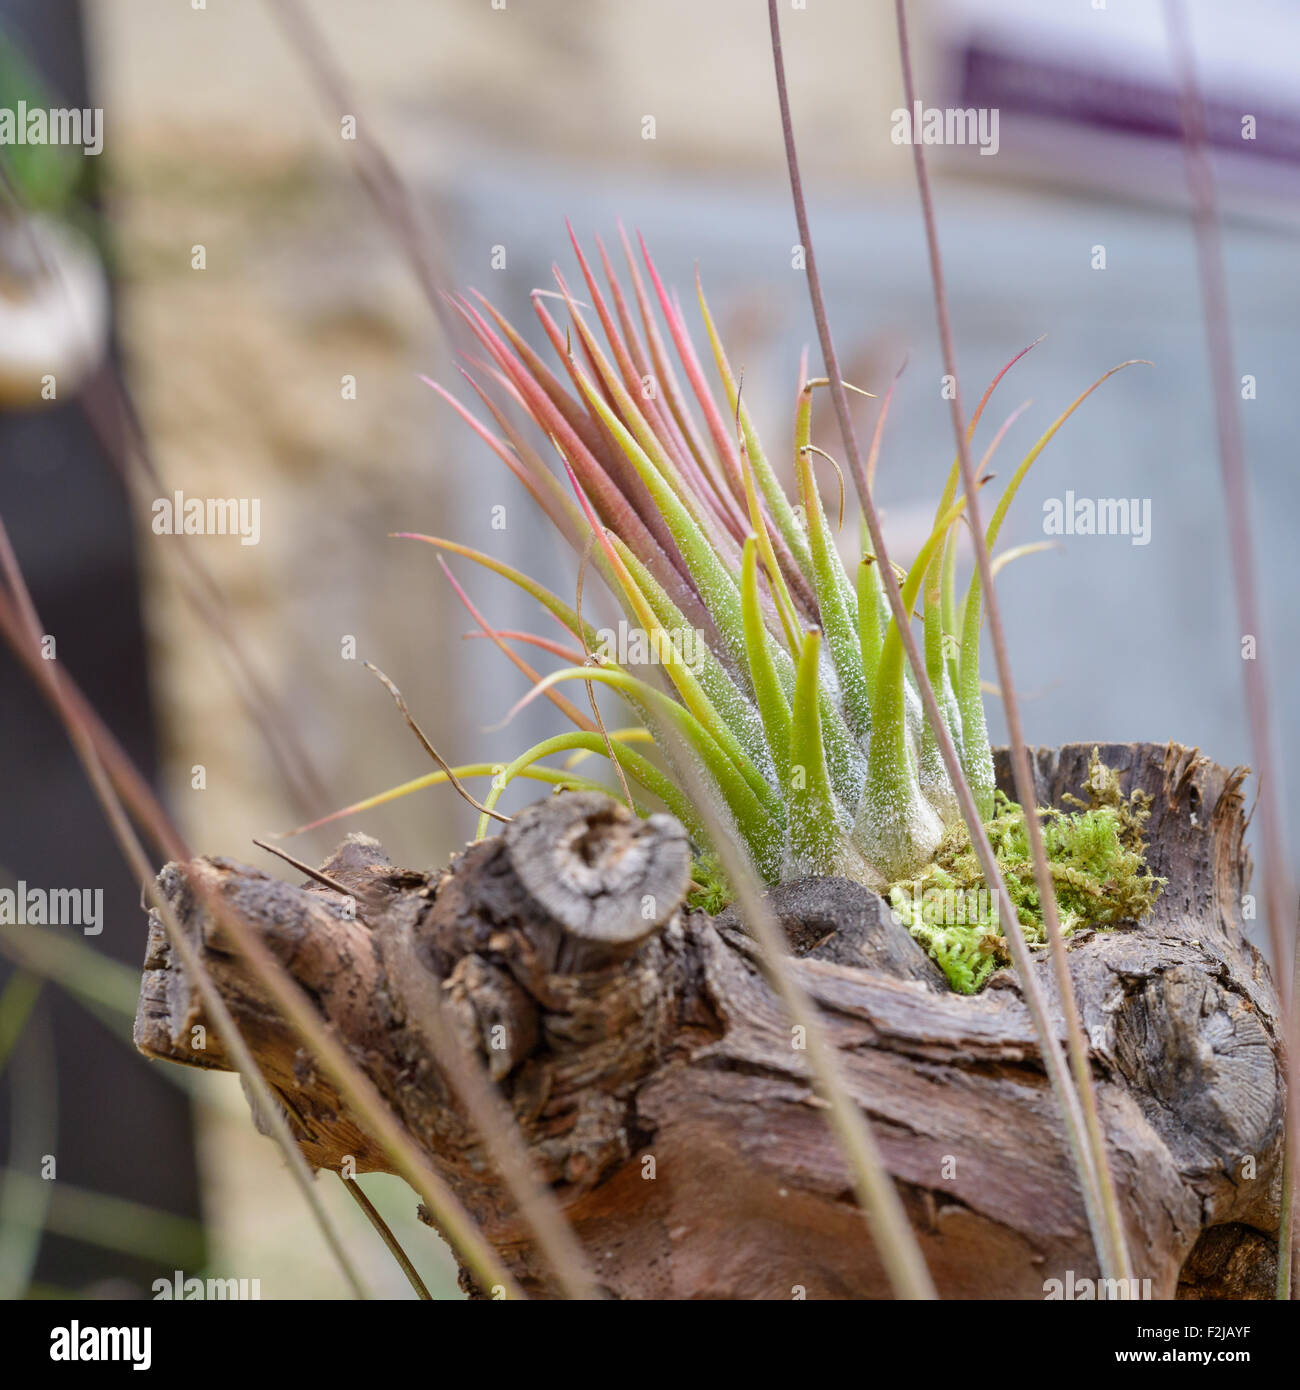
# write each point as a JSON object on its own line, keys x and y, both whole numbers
{"x": 504, "y": 121}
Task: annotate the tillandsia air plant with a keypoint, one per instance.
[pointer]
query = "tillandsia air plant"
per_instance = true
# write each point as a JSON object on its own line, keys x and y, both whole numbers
{"x": 786, "y": 681}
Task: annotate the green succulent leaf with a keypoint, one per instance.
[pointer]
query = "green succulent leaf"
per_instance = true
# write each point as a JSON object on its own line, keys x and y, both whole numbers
{"x": 817, "y": 825}
{"x": 639, "y": 768}
{"x": 773, "y": 704}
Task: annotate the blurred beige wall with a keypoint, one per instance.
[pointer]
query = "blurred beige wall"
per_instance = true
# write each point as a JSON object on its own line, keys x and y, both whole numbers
{"x": 574, "y": 77}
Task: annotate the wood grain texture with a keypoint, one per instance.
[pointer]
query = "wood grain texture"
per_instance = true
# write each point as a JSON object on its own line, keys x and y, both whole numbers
{"x": 655, "y": 1077}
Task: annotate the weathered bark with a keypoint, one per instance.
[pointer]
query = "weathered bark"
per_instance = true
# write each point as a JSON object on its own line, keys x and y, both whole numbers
{"x": 621, "y": 1031}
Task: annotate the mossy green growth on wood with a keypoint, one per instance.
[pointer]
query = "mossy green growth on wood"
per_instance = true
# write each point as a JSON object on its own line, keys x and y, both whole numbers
{"x": 1097, "y": 859}
{"x": 710, "y": 891}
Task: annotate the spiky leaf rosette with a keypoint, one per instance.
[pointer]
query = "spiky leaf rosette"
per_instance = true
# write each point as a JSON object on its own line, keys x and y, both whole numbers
{"x": 755, "y": 653}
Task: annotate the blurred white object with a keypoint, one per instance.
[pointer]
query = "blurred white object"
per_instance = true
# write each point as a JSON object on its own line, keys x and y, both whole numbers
{"x": 1086, "y": 94}
{"x": 54, "y": 311}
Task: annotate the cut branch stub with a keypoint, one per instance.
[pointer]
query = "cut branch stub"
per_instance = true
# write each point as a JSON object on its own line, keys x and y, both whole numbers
{"x": 606, "y": 876}
{"x": 556, "y": 952}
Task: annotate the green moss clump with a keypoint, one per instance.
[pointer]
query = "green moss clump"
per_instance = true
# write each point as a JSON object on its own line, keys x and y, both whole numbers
{"x": 710, "y": 891}
{"x": 1097, "y": 859}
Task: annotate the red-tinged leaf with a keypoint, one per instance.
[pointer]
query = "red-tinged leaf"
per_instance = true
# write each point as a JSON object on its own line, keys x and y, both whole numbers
{"x": 565, "y": 706}
{"x": 954, "y": 473}
{"x": 564, "y": 401}
{"x": 613, "y": 460}
{"x": 627, "y": 325}
{"x": 867, "y": 482}
{"x": 536, "y": 487}
{"x": 658, "y": 411}
{"x": 648, "y": 407}
{"x": 993, "y": 385}
{"x": 739, "y": 527}
{"x": 547, "y": 644}
{"x": 719, "y": 430}
{"x": 553, "y": 605}
{"x": 677, "y": 404}
{"x": 612, "y": 504}
{"x": 630, "y": 416}
{"x": 613, "y": 335}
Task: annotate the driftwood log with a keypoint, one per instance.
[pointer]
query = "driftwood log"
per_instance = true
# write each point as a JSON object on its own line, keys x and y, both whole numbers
{"x": 653, "y": 1072}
